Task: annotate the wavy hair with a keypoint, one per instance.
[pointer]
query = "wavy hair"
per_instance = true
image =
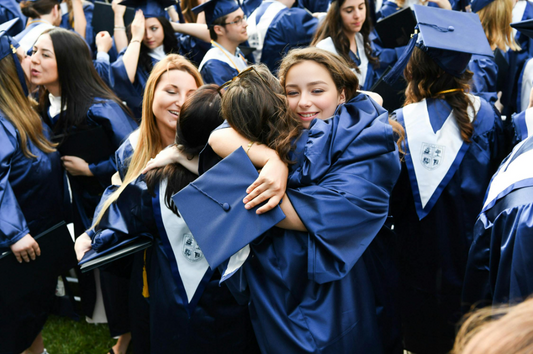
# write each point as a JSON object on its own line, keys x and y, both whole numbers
{"x": 426, "y": 79}
{"x": 333, "y": 27}
{"x": 255, "y": 106}
{"x": 150, "y": 142}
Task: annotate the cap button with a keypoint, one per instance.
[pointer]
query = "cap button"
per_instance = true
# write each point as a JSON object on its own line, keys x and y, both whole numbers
{"x": 226, "y": 206}
{"x": 451, "y": 28}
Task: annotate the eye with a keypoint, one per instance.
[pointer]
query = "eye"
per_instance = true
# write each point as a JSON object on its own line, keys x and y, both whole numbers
{"x": 154, "y": 28}
{"x": 171, "y": 92}
{"x": 33, "y": 52}
{"x": 292, "y": 93}
{"x": 317, "y": 91}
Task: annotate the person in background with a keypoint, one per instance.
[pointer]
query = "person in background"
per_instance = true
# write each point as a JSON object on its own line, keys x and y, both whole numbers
{"x": 77, "y": 15}
{"x": 42, "y": 15}
{"x": 32, "y": 194}
{"x": 454, "y": 143}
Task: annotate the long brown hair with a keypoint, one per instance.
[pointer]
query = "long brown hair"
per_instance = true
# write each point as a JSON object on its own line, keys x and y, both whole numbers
{"x": 426, "y": 79}
{"x": 255, "y": 106}
{"x": 17, "y": 108}
{"x": 495, "y": 330}
{"x": 150, "y": 142}
{"x": 333, "y": 27}
{"x": 495, "y": 18}
{"x": 344, "y": 78}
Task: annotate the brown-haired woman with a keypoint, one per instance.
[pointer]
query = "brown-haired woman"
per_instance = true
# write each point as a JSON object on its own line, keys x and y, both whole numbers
{"x": 31, "y": 195}
{"x": 453, "y": 146}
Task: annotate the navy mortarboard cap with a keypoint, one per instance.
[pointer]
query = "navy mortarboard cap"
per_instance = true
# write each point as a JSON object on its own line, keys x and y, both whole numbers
{"x": 213, "y": 209}
{"x": 8, "y": 46}
{"x": 215, "y": 9}
{"x": 150, "y": 8}
{"x": 476, "y": 5}
{"x": 524, "y": 27}
{"x": 58, "y": 1}
{"x": 449, "y": 37}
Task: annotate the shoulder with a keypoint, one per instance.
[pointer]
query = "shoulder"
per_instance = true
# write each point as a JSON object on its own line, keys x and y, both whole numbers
{"x": 327, "y": 44}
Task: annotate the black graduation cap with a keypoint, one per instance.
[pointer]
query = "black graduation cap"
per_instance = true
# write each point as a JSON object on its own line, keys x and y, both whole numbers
{"x": 215, "y": 9}
{"x": 476, "y": 5}
{"x": 213, "y": 209}
{"x": 524, "y": 27}
{"x": 150, "y": 8}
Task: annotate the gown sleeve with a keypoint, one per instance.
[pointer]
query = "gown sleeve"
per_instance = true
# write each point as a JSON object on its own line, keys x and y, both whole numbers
{"x": 117, "y": 125}
{"x": 217, "y": 72}
{"x": 485, "y": 77}
{"x": 341, "y": 186}
{"x": 13, "y": 225}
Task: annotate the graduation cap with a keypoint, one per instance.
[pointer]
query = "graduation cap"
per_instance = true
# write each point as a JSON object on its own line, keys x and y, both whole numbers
{"x": 448, "y": 37}
{"x": 213, "y": 209}
{"x": 476, "y": 5}
{"x": 524, "y": 27}
{"x": 150, "y": 8}
{"x": 8, "y": 46}
{"x": 215, "y": 9}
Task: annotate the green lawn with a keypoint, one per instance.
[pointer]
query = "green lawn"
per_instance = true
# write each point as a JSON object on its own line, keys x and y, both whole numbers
{"x": 65, "y": 336}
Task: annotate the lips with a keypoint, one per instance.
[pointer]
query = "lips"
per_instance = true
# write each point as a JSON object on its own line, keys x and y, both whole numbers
{"x": 34, "y": 72}
{"x": 307, "y": 116}
{"x": 175, "y": 113}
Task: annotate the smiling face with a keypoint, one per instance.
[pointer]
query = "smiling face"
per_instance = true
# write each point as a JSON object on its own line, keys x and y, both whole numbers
{"x": 44, "y": 65}
{"x": 170, "y": 93}
{"x": 154, "y": 34}
{"x": 353, "y": 15}
{"x": 311, "y": 92}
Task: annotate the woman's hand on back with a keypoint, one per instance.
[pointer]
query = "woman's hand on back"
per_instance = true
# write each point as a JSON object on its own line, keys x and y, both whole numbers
{"x": 82, "y": 245}
{"x": 270, "y": 185}
{"x": 25, "y": 249}
{"x": 76, "y": 166}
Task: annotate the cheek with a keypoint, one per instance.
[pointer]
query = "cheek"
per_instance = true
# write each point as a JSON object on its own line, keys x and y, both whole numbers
{"x": 293, "y": 103}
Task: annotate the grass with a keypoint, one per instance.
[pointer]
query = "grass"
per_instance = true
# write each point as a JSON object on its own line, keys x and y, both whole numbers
{"x": 63, "y": 335}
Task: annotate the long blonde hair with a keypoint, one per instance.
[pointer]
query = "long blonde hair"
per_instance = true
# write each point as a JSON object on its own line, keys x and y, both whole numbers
{"x": 150, "y": 142}
{"x": 495, "y": 18}
{"x": 17, "y": 108}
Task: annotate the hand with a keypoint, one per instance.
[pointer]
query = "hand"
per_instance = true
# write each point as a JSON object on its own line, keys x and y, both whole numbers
{"x": 165, "y": 157}
{"x": 26, "y": 248}
{"x": 103, "y": 41}
{"x": 76, "y": 166}
{"x": 443, "y": 4}
{"x": 82, "y": 245}
{"x": 119, "y": 10}
{"x": 270, "y": 184}
{"x": 137, "y": 26}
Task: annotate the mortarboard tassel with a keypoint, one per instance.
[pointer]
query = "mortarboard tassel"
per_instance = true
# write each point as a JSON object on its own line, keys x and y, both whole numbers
{"x": 146, "y": 293}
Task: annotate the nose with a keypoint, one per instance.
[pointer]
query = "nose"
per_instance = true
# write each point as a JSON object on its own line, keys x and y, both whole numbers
{"x": 180, "y": 100}
{"x": 33, "y": 59}
{"x": 147, "y": 34}
{"x": 304, "y": 101}
{"x": 244, "y": 22}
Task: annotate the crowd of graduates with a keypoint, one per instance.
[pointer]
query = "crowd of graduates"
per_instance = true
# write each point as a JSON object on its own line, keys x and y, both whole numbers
{"x": 277, "y": 207}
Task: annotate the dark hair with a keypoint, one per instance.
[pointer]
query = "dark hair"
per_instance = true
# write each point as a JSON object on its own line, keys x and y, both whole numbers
{"x": 34, "y": 9}
{"x": 221, "y": 21}
{"x": 333, "y": 27}
{"x": 256, "y": 107}
{"x": 80, "y": 83}
{"x": 170, "y": 44}
{"x": 199, "y": 116}
{"x": 426, "y": 79}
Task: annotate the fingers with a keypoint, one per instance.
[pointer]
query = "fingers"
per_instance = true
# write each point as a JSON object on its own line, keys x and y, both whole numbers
{"x": 150, "y": 165}
{"x": 272, "y": 203}
{"x": 18, "y": 257}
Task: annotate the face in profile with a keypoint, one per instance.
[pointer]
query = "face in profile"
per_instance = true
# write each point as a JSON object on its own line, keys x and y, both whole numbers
{"x": 43, "y": 64}
{"x": 235, "y": 28}
{"x": 353, "y": 15}
{"x": 311, "y": 92}
{"x": 173, "y": 88}
{"x": 154, "y": 34}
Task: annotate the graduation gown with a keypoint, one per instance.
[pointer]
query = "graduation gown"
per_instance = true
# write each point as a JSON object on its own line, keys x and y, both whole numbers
{"x": 315, "y": 291}
{"x": 188, "y": 308}
{"x": 500, "y": 261}
{"x": 88, "y": 9}
{"x": 10, "y": 9}
{"x": 434, "y": 205}
{"x": 274, "y": 29}
{"x": 219, "y": 66}
{"x": 485, "y": 77}
{"x": 29, "y": 35}
{"x": 32, "y": 199}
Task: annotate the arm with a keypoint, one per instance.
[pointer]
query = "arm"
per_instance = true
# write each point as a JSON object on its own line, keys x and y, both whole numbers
{"x": 131, "y": 56}
{"x": 121, "y": 40}
{"x": 197, "y": 30}
{"x": 80, "y": 22}
{"x": 172, "y": 154}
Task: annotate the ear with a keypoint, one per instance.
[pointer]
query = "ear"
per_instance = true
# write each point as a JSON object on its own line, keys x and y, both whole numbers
{"x": 342, "y": 97}
{"x": 219, "y": 30}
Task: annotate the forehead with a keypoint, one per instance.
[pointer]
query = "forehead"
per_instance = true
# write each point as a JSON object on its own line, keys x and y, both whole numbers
{"x": 354, "y": 3}
{"x": 237, "y": 13}
{"x": 307, "y": 72}
{"x": 152, "y": 21}
{"x": 177, "y": 78}
{"x": 44, "y": 42}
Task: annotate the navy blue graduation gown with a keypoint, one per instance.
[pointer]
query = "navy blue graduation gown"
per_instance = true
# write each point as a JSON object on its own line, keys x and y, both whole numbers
{"x": 32, "y": 199}
{"x": 286, "y": 28}
{"x": 316, "y": 291}
{"x": 485, "y": 77}
{"x": 434, "y": 206}
{"x": 209, "y": 321}
{"x": 10, "y": 9}
{"x": 219, "y": 65}
{"x": 500, "y": 261}
{"x": 88, "y": 9}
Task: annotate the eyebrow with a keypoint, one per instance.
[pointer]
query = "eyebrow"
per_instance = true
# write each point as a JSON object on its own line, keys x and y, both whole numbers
{"x": 43, "y": 49}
